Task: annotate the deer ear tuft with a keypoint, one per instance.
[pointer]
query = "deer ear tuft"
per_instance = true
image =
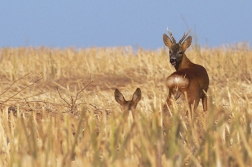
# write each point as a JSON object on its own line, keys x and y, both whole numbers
{"x": 167, "y": 41}
{"x": 187, "y": 42}
{"x": 137, "y": 96}
{"x": 119, "y": 97}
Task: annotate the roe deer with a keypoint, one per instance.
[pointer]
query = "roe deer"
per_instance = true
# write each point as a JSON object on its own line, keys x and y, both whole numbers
{"x": 190, "y": 80}
{"x": 128, "y": 106}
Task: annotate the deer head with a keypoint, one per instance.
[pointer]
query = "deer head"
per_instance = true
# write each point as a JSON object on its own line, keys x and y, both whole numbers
{"x": 128, "y": 105}
{"x": 177, "y": 50}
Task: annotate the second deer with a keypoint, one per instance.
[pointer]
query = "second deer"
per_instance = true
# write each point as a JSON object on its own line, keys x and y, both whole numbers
{"x": 130, "y": 105}
{"x": 190, "y": 80}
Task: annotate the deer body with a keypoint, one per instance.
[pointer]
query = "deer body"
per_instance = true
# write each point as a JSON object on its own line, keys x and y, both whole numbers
{"x": 190, "y": 80}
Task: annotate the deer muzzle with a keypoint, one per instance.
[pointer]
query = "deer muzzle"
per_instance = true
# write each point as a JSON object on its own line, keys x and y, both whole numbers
{"x": 173, "y": 61}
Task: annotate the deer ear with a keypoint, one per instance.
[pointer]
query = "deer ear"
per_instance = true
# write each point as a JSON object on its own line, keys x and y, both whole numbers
{"x": 187, "y": 42}
{"x": 119, "y": 97}
{"x": 167, "y": 41}
{"x": 136, "y": 96}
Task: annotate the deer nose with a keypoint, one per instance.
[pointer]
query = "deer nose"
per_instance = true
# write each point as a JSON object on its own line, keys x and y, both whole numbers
{"x": 172, "y": 60}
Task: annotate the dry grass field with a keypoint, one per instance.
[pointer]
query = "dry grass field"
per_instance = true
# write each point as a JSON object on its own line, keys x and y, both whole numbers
{"x": 58, "y": 109}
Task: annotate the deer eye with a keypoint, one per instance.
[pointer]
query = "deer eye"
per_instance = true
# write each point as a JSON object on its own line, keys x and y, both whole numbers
{"x": 180, "y": 53}
{"x": 170, "y": 51}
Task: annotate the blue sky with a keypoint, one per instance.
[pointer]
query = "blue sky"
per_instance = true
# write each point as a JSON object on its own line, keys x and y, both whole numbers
{"x": 86, "y": 23}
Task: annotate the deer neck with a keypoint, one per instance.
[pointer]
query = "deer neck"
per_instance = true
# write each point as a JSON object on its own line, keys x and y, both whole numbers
{"x": 185, "y": 63}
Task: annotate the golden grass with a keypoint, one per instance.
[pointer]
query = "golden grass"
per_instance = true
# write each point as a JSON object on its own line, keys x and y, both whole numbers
{"x": 48, "y": 119}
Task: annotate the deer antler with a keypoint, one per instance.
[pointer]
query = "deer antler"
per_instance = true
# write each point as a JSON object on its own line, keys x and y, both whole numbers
{"x": 184, "y": 36}
{"x": 172, "y": 38}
